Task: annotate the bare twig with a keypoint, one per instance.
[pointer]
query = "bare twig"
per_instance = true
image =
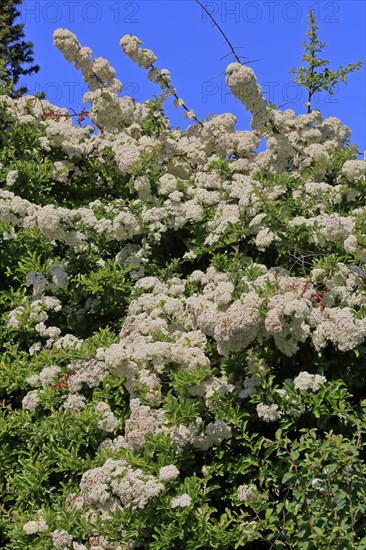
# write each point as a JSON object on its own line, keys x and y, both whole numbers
{"x": 220, "y": 30}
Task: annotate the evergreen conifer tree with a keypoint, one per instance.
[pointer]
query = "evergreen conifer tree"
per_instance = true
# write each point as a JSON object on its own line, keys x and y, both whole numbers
{"x": 16, "y": 55}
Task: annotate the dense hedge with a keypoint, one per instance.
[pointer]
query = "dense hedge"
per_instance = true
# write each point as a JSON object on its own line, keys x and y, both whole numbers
{"x": 182, "y": 323}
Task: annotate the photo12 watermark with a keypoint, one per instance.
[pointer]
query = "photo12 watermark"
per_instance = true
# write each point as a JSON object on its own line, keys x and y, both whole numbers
{"x": 69, "y": 92}
{"x": 281, "y": 94}
{"x": 72, "y": 11}
{"x": 267, "y": 11}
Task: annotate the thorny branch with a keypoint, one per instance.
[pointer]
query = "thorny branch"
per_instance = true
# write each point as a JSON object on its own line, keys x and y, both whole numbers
{"x": 237, "y": 58}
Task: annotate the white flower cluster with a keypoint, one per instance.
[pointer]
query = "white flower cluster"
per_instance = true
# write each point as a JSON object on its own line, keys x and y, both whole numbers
{"x": 115, "y": 485}
{"x": 181, "y": 501}
{"x": 97, "y": 73}
{"x": 215, "y": 433}
{"x": 31, "y": 400}
{"x": 269, "y": 413}
{"x": 146, "y": 58}
{"x": 167, "y": 473}
{"x": 211, "y": 388}
{"x": 242, "y": 82}
{"x": 57, "y": 223}
{"x": 143, "y": 421}
{"x": 247, "y": 493}
{"x": 33, "y": 312}
{"x": 341, "y": 327}
{"x": 306, "y": 139}
{"x": 306, "y": 381}
{"x": 61, "y": 539}
{"x": 236, "y": 327}
{"x": 334, "y": 227}
{"x": 287, "y": 320}
{"x": 12, "y": 177}
{"x": 131, "y": 47}
{"x": 73, "y": 140}
{"x": 45, "y": 377}
{"x": 354, "y": 169}
{"x": 91, "y": 373}
{"x": 66, "y": 341}
{"x": 185, "y": 159}
{"x": 74, "y": 403}
{"x": 36, "y": 526}
{"x": 138, "y": 356}
{"x": 108, "y": 422}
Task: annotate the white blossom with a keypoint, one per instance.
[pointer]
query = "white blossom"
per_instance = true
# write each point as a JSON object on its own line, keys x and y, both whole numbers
{"x": 61, "y": 539}
{"x": 246, "y": 493}
{"x": 36, "y": 526}
{"x": 12, "y": 177}
{"x": 305, "y": 381}
{"x": 269, "y": 413}
{"x": 31, "y": 400}
{"x": 167, "y": 473}
{"x": 182, "y": 501}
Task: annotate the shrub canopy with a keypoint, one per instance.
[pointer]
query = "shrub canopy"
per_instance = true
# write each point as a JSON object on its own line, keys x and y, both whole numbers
{"x": 182, "y": 322}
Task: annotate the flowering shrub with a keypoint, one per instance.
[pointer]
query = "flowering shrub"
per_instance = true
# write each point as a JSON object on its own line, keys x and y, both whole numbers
{"x": 183, "y": 323}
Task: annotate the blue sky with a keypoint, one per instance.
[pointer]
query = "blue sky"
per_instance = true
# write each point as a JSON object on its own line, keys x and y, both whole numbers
{"x": 186, "y": 43}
